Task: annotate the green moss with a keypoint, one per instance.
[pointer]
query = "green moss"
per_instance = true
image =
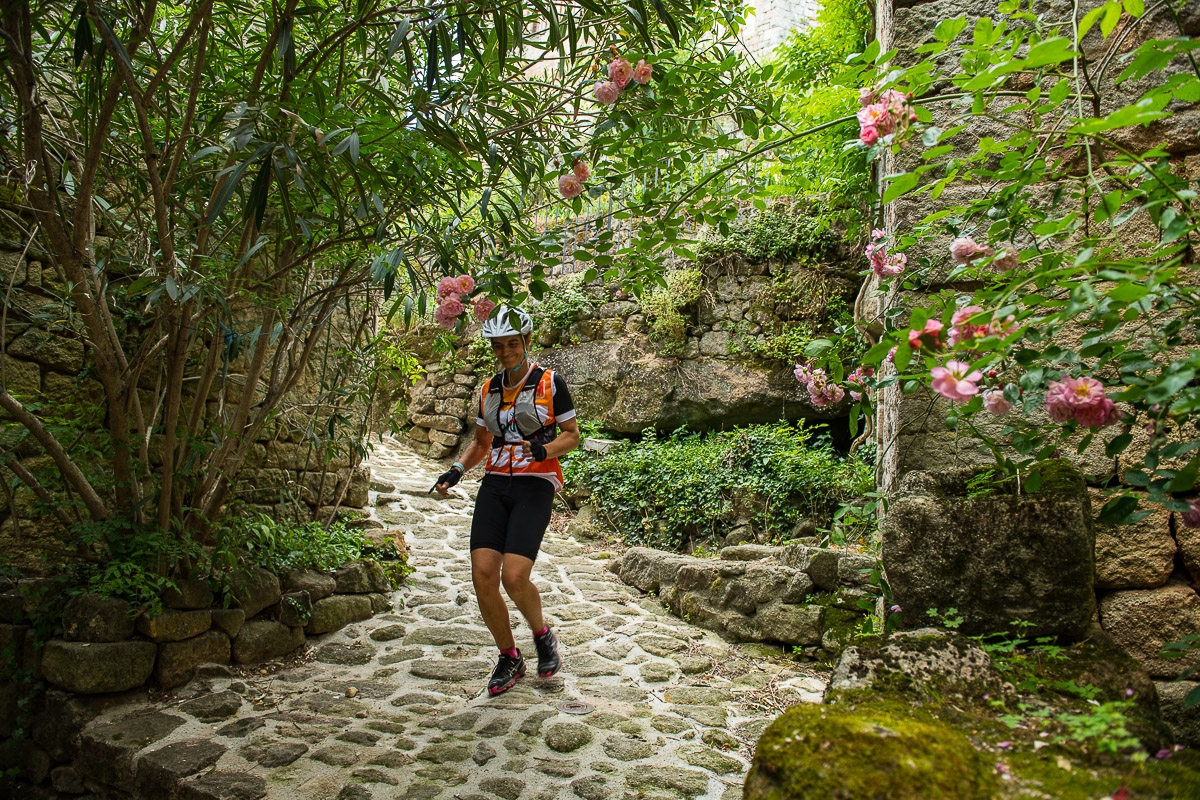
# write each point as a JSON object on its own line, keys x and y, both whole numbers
{"x": 1060, "y": 475}
{"x": 1042, "y": 771}
{"x": 882, "y": 750}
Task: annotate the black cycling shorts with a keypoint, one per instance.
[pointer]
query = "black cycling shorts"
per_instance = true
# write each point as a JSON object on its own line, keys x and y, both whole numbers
{"x": 511, "y": 514}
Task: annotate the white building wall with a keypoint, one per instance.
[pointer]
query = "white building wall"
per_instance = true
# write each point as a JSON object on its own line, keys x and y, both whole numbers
{"x": 773, "y": 20}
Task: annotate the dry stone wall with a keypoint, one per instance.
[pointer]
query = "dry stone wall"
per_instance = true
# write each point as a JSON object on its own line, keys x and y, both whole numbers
{"x": 623, "y": 378}
{"x": 811, "y": 598}
{"x": 46, "y": 364}
{"x": 1146, "y": 573}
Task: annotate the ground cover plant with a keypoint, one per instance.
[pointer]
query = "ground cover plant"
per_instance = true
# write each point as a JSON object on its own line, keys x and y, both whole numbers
{"x": 684, "y": 490}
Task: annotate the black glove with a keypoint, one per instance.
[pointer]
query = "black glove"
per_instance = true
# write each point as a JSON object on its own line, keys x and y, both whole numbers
{"x": 449, "y": 477}
{"x": 539, "y": 451}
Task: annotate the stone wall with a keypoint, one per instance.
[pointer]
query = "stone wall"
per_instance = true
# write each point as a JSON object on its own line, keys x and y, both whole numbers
{"x": 45, "y": 363}
{"x": 1145, "y": 573}
{"x": 811, "y": 598}
{"x": 627, "y": 381}
{"x": 105, "y": 651}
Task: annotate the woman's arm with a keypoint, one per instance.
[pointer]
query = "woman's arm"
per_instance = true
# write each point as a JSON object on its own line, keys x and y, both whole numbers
{"x": 476, "y": 451}
{"x": 567, "y": 440}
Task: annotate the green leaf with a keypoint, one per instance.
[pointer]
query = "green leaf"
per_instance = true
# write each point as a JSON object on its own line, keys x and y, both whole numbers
{"x": 121, "y": 53}
{"x": 904, "y": 355}
{"x": 398, "y": 37}
{"x": 1112, "y": 15}
{"x": 817, "y": 347}
{"x": 1118, "y": 445}
{"x": 1185, "y": 479}
{"x": 256, "y": 204}
{"x": 84, "y": 41}
{"x": 1089, "y": 19}
{"x": 1135, "y": 8}
{"x": 1116, "y": 511}
{"x": 899, "y": 185}
{"x": 948, "y": 29}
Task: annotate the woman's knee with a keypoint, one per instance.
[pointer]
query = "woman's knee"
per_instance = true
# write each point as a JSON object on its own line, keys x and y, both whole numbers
{"x": 515, "y": 579}
{"x": 485, "y": 577}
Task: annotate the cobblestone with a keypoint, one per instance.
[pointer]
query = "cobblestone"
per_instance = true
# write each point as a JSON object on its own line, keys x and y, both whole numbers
{"x": 394, "y": 706}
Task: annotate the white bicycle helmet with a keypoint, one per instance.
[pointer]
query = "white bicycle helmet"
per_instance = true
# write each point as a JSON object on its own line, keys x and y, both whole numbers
{"x": 498, "y": 324}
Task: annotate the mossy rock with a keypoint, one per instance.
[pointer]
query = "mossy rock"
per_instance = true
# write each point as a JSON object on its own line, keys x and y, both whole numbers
{"x": 876, "y": 752}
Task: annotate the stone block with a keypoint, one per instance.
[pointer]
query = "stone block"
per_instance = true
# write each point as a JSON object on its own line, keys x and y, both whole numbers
{"x": 174, "y": 626}
{"x": 295, "y": 609}
{"x": 794, "y": 625}
{"x": 319, "y": 585}
{"x": 56, "y": 352}
{"x": 177, "y": 661}
{"x": 159, "y": 772}
{"x": 997, "y": 558}
{"x": 1137, "y": 556}
{"x": 749, "y": 552}
{"x": 62, "y": 716}
{"x": 253, "y": 589}
{"x": 1189, "y": 548}
{"x": 361, "y": 577}
{"x": 443, "y": 439}
{"x": 229, "y": 620}
{"x": 70, "y": 391}
{"x": 453, "y": 390}
{"x": 262, "y": 640}
{"x": 1143, "y": 620}
{"x": 1183, "y": 721}
{"x": 418, "y": 434}
{"x": 93, "y": 618}
{"x": 453, "y": 406}
{"x": 223, "y": 786}
{"x": 107, "y": 747}
{"x": 715, "y": 344}
{"x": 188, "y": 594}
{"x": 12, "y": 649}
{"x": 438, "y": 422}
{"x": 338, "y": 611}
{"x": 98, "y": 667}
{"x": 855, "y": 570}
{"x": 23, "y": 379}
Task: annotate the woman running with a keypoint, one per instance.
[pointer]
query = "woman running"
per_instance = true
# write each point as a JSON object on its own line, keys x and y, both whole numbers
{"x": 526, "y": 421}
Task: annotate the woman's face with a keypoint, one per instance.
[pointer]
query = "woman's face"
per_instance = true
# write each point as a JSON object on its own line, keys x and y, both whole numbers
{"x": 510, "y": 350}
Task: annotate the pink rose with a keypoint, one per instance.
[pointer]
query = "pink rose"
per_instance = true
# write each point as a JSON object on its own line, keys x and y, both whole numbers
{"x": 580, "y": 168}
{"x": 642, "y": 72}
{"x": 606, "y": 92}
{"x": 878, "y": 233}
{"x": 964, "y": 249}
{"x": 1058, "y": 402}
{"x": 465, "y": 284}
{"x": 963, "y": 331}
{"x": 866, "y": 96}
{"x": 1191, "y": 517}
{"x": 956, "y": 380}
{"x": 447, "y": 286}
{"x": 872, "y": 115}
{"x": 619, "y": 72}
{"x": 890, "y": 266}
{"x": 1007, "y": 257}
{"x": 993, "y": 401}
{"x": 929, "y": 336}
{"x": 822, "y": 392}
{"x": 869, "y": 135}
{"x": 1002, "y": 327}
{"x": 569, "y": 186}
{"x": 802, "y": 374}
{"x": 484, "y": 308}
{"x": 448, "y": 310}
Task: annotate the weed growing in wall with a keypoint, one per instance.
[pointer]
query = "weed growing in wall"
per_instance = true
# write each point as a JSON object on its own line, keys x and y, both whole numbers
{"x": 664, "y": 307}
{"x": 562, "y": 307}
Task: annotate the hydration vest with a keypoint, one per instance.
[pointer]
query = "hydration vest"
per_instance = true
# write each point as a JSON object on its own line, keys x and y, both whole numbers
{"x": 525, "y": 413}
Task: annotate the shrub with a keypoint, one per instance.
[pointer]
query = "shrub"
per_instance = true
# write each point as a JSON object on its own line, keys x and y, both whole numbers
{"x": 280, "y": 546}
{"x": 776, "y": 234}
{"x": 663, "y": 492}
{"x": 562, "y": 307}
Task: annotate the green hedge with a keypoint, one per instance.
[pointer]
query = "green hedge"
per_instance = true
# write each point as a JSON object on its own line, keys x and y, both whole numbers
{"x": 661, "y": 492}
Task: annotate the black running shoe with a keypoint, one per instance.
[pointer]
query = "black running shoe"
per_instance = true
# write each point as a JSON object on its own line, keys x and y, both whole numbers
{"x": 506, "y": 673}
{"x": 548, "y": 660}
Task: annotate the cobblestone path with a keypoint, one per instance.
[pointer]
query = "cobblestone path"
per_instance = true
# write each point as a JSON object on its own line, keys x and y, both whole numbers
{"x": 394, "y": 707}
